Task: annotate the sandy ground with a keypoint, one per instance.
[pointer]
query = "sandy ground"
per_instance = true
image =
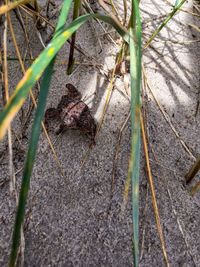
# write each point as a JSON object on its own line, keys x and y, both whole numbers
{"x": 75, "y": 220}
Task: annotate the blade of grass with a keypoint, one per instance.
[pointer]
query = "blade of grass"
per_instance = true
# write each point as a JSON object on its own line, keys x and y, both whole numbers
{"x": 39, "y": 65}
{"x": 5, "y": 76}
{"x": 175, "y": 9}
{"x": 135, "y": 72}
{"x": 31, "y": 94}
{"x": 10, "y": 142}
{"x": 77, "y": 4}
{"x": 35, "y": 133}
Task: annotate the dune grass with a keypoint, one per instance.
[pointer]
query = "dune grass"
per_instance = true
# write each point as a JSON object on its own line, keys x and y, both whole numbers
{"x": 43, "y": 67}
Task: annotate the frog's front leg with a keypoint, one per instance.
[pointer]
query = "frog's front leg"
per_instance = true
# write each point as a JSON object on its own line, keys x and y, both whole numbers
{"x": 72, "y": 92}
{"x": 51, "y": 113}
{"x": 61, "y": 128}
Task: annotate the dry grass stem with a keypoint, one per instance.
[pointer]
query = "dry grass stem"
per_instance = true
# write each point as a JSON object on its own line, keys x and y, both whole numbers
{"x": 155, "y": 206}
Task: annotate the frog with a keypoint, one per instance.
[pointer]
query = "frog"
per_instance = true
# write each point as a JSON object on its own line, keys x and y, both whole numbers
{"x": 72, "y": 113}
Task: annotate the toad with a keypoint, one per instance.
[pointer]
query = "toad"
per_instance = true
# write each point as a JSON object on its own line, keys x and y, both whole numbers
{"x": 72, "y": 113}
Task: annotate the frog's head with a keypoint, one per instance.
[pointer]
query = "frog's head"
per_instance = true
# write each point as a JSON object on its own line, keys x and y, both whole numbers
{"x": 72, "y": 92}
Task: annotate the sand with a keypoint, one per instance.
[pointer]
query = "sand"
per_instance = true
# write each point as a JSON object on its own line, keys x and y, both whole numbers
{"x": 76, "y": 220}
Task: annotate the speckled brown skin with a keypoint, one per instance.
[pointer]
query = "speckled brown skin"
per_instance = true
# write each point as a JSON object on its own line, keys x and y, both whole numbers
{"x": 72, "y": 113}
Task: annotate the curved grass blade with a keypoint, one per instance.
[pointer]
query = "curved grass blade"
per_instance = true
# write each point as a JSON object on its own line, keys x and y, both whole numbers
{"x": 175, "y": 9}
{"x": 40, "y": 64}
{"x": 134, "y": 164}
{"x": 35, "y": 133}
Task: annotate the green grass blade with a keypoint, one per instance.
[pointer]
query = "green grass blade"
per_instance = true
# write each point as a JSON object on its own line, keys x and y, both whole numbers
{"x": 77, "y": 5}
{"x": 19, "y": 96}
{"x": 40, "y": 64}
{"x": 63, "y": 17}
{"x": 175, "y": 9}
{"x": 134, "y": 166}
{"x": 35, "y": 133}
{"x": 29, "y": 165}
